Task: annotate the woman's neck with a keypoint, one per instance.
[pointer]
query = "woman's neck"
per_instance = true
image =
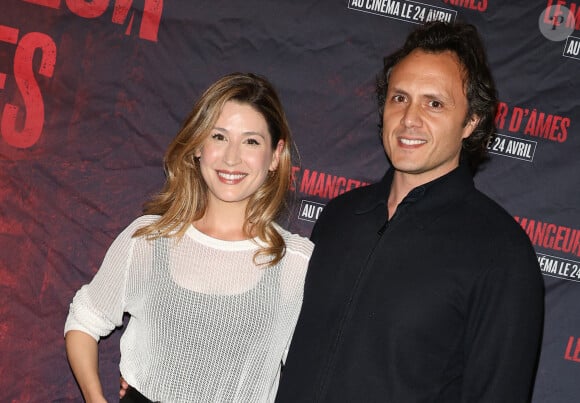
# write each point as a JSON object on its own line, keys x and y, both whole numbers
{"x": 223, "y": 221}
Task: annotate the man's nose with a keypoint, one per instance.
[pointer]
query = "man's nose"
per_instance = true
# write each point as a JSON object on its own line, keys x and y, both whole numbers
{"x": 412, "y": 115}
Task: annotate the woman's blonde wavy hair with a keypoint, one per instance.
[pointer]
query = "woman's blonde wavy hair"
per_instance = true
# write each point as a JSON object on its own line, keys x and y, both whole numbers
{"x": 184, "y": 196}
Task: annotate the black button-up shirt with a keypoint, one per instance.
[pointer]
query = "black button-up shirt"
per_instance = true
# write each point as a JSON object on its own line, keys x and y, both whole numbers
{"x": 442, "y": 303}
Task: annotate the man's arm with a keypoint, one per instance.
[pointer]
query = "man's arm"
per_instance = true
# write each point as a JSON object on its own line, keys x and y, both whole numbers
{"x": 504, "y": 331}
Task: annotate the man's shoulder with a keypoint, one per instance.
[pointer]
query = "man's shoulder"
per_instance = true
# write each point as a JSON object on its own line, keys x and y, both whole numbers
{"x": 494, "y": 218}
{"x": 353, "y": 198}
{"x": 348, "y": 213}
{"x": 488, "y": 207}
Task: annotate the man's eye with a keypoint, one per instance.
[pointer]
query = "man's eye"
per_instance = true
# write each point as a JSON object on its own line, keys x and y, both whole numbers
{"x": 398, "y": 98}
{"x": 436, "y": 104}
{"x": 252, "y": 142}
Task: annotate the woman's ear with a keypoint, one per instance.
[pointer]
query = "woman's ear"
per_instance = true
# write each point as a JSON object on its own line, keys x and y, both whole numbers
{"x": 276, "y": 155}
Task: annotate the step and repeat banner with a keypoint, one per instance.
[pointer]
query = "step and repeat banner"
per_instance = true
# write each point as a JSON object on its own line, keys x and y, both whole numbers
{"x": 92, "y": 92}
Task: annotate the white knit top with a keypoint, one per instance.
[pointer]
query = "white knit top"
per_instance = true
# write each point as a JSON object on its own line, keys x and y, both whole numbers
{"x": 207, "y": 325}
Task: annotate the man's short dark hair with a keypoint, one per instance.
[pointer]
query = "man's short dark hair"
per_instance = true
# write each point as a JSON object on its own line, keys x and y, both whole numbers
{"x": 464, "y": 41}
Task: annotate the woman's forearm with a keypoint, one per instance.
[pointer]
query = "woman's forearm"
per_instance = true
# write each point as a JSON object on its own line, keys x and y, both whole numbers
{"x": 83, "y": 357}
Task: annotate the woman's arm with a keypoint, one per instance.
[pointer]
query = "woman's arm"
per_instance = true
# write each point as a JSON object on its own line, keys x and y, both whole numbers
{"x": 83, "y": 357}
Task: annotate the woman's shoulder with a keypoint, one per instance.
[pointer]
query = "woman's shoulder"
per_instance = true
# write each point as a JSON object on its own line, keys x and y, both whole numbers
{"x": 296, "y": 243}
{"x": 138, "y": 223}
{"x": 142, "y": 221}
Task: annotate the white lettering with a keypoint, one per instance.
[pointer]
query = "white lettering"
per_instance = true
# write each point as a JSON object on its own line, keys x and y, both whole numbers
{"x": 573, "y": 48}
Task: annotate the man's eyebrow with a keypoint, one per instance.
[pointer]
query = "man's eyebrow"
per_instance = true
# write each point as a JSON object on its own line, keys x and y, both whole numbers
{"x": 397, "y": 90}
{"x": 429, "y": 95}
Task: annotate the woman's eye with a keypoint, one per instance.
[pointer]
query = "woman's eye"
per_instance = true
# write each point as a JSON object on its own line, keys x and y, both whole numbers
{"x": 218, "y": 136}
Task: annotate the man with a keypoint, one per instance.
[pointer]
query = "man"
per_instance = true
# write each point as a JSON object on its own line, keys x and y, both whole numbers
{"x": 421, "y": 288}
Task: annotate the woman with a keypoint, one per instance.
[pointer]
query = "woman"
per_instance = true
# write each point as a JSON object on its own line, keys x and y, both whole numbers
{"x": 212, "y": 284}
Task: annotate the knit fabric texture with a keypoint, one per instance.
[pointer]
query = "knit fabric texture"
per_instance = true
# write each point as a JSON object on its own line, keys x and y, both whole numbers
{"x": 206, "y": 325}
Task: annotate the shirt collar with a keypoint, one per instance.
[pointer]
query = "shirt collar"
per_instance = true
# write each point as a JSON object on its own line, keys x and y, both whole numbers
{"x": 440, "y": 190}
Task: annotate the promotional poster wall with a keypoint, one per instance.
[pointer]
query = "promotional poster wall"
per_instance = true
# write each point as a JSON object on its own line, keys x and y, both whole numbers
{"x": 92, "y": 92}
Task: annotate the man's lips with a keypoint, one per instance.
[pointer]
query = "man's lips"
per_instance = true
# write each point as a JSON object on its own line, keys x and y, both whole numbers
{"x": 411, "y": 142}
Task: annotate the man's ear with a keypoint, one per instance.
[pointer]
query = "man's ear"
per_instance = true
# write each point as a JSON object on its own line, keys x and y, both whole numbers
{"x": 470, "y": 126}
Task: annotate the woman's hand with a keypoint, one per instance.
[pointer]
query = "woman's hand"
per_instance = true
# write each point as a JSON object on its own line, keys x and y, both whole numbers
{"x": 123, "y": 389}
